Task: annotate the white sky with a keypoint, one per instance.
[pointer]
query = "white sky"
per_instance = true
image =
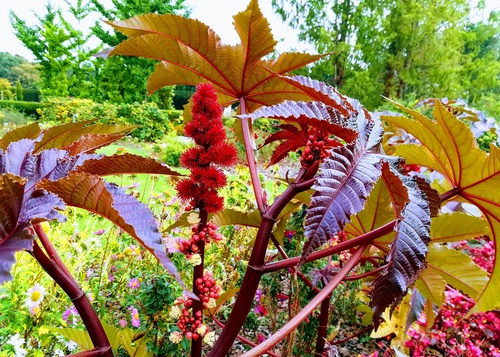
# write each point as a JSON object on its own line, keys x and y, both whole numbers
{"x": 215, "y": 13}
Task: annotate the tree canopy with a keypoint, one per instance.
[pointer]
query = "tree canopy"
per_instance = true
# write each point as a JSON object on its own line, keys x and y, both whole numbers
{"x": 401, "y": 49}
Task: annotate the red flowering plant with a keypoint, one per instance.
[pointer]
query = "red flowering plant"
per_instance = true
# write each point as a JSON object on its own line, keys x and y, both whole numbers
{"x": 199, "y": 191}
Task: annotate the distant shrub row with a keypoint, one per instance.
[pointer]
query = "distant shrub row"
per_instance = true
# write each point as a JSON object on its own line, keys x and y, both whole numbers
{"x": 28, "y": 108}
{"x": 153, "y": 122}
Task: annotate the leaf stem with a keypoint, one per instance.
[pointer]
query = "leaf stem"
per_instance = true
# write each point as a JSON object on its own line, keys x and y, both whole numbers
{"x": 246, "y": 125}
{"x": 351, "y": 243}
{"x": 76, "y": 294}
{"x": 309, "y": 308}
{"x": 323, "y": 324}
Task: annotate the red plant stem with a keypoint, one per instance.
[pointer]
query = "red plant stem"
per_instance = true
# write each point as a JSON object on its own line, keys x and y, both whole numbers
{"x": 196, "y": 345}
{"x": 323, "y": 324}
{"x": 360, "y": 332}
{"x": 77, "y": 296}
{"x": 309, "y": 308}
{"x": 254, "y": 271}
{"x": 302, "y": 277}
{"x": 49, "y": 248}
{"x": 246, "y": 125}
{"x": 351, "y": 243}
{"x": 449, "y": 194}
{"x": 364, "y": 275}
{"x": 243, "y": 339}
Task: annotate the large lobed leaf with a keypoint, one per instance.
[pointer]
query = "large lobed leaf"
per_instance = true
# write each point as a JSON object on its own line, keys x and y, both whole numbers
{"x": 345, "y": 180}
{"x": 449, "y": 147}
{"x": 191, "y": 53}
{"x": 406, "y": 258}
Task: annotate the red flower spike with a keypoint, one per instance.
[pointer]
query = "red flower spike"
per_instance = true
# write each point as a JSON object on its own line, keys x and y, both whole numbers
{"x": 207, "y": 131}
{"x": 211, "y": 177}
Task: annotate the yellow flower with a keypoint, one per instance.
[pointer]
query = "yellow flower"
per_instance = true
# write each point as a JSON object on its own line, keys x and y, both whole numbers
{"x": 202, "y": 329}
{"x": 211, "y": 303}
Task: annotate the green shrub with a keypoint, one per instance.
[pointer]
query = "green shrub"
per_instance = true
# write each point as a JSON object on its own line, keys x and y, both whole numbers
{"x": 31, "y": 95}
{"x": 28, "y": 108}
{"x": 153, "y": 122}
{"x": 171, "y": 148}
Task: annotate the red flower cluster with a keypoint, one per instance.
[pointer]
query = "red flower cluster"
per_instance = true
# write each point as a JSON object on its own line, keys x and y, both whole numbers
{"x": 454, "y": 335}
{"x": 317, "y": 147}
{"x": 208, "y": 233}
{"x": 482, "y": 253}
{"x": 211, "y": 152}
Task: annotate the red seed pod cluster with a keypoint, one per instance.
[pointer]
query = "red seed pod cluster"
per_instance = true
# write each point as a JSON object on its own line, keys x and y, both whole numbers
{"x": 189, "y": 324}
{"x": 210, "y": 153}
{"x": 208, "y": 289}
{"x": 207, "y": 233}
{"x": 317, "y": 146}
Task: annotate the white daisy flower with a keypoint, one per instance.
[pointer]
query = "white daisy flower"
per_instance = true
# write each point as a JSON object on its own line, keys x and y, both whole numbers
{"x": 35, "y": 296}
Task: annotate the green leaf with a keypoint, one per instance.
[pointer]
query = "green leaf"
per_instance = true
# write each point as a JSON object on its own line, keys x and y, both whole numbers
{"x": 457, "y": 269}
{"x": 230, "y": 216}
{"x": 65, "y": 135}
{"x": 125, "y": 164}
{"x": 221, "y": 301}
{"x": 457, "y": 226}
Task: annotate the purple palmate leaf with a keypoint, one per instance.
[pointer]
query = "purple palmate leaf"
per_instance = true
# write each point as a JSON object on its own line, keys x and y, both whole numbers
{"x": 345, "y": 180}
{"x": 408, "y": 252}
{"x": 17, "y": 212}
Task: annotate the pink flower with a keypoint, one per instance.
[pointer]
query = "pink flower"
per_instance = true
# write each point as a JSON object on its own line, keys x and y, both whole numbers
{"x": 134, "y": 283}
{"x": 123, "y": 323}
{"x": 136, "y": 321}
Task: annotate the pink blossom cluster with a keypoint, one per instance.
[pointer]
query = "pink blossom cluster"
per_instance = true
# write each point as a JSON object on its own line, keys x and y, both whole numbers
{"x": 455, "y": 335}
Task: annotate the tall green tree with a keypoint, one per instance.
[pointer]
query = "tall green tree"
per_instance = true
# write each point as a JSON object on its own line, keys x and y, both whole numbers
{"x": 402, "y": 49}
{"x": 121, "y": 79}
{"x": 58, "y": 48}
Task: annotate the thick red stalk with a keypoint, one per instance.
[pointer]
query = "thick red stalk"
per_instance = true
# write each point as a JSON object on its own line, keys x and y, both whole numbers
{"x": 196, "y": 345}
{"x": 254, "y": 271}
{"x": 309, "y": 308}
{"x": 75, "y": 293}
{"x": 323, "y": 324}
